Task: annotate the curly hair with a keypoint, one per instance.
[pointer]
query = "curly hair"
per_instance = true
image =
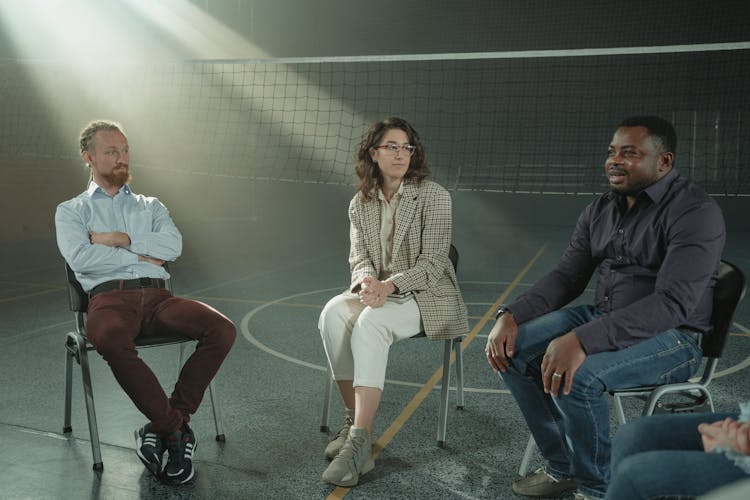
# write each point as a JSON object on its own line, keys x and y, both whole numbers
{"x": 90, "y": 130}
{"x": 369, "y": 172}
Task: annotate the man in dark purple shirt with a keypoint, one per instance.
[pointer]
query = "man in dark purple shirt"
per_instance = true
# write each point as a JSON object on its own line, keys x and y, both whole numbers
{"x": 654, "y": 241}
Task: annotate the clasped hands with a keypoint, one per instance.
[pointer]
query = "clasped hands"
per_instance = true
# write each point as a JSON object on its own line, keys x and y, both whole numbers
{"x": 561, "y": 359}
{"x": 373, "y": 292}
{"x": 727, "y": 433}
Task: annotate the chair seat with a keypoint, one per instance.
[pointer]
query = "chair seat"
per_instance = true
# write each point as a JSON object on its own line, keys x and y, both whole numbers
{"x": 152, "y": 340}
{"x": 160, "y": 339}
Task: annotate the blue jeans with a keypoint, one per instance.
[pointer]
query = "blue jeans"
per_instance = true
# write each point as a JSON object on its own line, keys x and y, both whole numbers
{"x": 663, "y": 455}
{"x": 572, "y": 432}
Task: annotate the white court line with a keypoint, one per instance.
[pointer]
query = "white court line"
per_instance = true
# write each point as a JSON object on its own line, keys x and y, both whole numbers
{"x": 739, "y": 366}
{"x": 53, "y": 435}
{"x": 245, "y": 330}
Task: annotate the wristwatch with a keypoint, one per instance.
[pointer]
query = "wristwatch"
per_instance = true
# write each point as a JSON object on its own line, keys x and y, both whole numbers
{"x": 501, "y": 310}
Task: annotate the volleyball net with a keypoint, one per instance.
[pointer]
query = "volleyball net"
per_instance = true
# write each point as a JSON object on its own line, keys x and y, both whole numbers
{"x": 536, "y": 121}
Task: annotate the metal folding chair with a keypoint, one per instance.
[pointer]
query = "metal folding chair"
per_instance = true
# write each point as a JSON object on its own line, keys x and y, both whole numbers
{"x": 449, "y": 346}
{"x": 690, "y": 395}
{"x": 77, "y": 348}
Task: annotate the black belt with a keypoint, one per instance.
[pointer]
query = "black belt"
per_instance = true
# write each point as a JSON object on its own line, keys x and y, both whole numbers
{"x": 108, "y": 286}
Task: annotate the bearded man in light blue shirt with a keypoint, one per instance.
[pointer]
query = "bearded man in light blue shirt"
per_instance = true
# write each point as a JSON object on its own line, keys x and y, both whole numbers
{"x": 117, "y": 242}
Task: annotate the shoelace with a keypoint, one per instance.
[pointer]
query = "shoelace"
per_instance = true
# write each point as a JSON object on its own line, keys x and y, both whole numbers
{"x": 348, "y": 422}
{"x": 180, "y": 454}
{"x": 542, "y": 469}
{"x": 352, "y": 446}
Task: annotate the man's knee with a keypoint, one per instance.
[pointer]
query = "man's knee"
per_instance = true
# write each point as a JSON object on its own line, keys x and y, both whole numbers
{"x": 225, "y": 333}
{"x": 587, "y": 382}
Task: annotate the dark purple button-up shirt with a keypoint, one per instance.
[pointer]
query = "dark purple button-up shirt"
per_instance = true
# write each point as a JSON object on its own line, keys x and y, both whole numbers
{"x": 656, "y": 265}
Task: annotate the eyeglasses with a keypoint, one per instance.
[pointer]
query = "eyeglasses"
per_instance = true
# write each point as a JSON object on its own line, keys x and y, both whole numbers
{"x": 393, "y": 148}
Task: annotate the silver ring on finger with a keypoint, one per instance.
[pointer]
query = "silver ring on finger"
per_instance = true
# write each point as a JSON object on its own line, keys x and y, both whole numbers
{"x": 557, "y": 375}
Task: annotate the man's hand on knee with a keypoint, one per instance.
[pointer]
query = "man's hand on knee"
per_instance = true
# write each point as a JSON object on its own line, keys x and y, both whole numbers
{"x": 561, "y": 360}
{"x": 501, "y": 343}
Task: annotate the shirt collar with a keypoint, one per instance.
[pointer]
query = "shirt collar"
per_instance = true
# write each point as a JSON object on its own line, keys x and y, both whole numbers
{"x": 658, "y": 189}
{"x": 399, "y": 192}
{"x": 655, "y": 192}
{"x": 94, "y": 187}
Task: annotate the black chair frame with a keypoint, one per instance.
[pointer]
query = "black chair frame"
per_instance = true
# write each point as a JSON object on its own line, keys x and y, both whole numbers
{"x": 693, "y": 394}
{"x": 77, "y": 348}
{"x": 450, "y": 345}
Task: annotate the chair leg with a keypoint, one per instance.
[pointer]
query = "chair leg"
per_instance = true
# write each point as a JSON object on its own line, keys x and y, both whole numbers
{"x": 617, "y": 401}
{"x": 710, "y": 401}
{"x": 218, "y": 423}
{"x": 326, "y": 401}
{"x": 459, "y": 373}
{"x": 443, "y": 411}
{"x": 69, "y": 345}
{"x": 530, "y": 449}
{"x": 90, "y": 410}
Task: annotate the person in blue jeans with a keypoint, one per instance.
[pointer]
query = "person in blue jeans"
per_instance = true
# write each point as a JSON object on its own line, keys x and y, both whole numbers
{"x": 679, "y": 455}
{"x": 654, "y": 241}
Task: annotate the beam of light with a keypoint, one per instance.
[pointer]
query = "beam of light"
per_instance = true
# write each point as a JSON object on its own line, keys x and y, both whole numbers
{"x": 207, "y": 39}
{"x": 199, "y": 35}
{"x": 85, "y": 57}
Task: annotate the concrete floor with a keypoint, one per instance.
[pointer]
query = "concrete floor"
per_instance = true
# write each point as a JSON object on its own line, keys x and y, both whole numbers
{"x": 272, "y": 284}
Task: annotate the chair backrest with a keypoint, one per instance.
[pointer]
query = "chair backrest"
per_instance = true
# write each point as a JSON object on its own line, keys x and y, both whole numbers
{"x": 729, "y": 290}
{"x": 453, "y": 256}
{"x": 77, "y": 297}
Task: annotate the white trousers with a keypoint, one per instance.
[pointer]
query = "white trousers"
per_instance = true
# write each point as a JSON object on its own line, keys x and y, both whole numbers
{"x": 357, "y": 338}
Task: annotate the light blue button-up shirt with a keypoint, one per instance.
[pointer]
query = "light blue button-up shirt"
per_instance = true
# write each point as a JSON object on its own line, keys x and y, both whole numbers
{"x": 146, "y": 221}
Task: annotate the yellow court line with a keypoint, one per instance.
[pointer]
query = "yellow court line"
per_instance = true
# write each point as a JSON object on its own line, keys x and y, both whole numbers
{"x": 399, "y": 421}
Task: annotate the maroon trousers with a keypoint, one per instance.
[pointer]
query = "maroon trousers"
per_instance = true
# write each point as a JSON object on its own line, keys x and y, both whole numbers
{"x": 116, "y": 318}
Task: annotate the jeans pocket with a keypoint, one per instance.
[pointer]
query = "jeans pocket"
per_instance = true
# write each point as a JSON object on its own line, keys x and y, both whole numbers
{"x": 684, "y": 358}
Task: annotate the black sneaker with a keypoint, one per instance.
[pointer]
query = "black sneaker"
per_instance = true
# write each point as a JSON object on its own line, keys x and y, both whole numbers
{"x": 150, "y": 449}
{"x": 181, "y": 446}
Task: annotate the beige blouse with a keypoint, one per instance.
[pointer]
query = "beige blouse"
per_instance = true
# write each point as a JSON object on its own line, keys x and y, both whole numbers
{"x": 387, "y": 228}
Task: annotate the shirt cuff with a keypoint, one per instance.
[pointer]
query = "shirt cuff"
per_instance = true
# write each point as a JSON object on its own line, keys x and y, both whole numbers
{"x": 520, "y": 310}
{"x": 138, "y": 246}
{"x": 593, "y": 336}
{"x": 398, "y": 282}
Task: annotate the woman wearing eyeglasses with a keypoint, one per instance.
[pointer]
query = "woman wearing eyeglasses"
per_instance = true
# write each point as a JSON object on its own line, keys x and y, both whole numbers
{"x": 402, "y": 283}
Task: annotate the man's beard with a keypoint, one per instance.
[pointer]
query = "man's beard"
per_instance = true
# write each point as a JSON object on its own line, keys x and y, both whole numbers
{"x": 631, "y": 190}
{"x": 118, "y": 177}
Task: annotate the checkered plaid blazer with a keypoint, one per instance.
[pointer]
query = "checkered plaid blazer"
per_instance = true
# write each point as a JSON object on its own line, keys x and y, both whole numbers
{"x": 420, "y": 254}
